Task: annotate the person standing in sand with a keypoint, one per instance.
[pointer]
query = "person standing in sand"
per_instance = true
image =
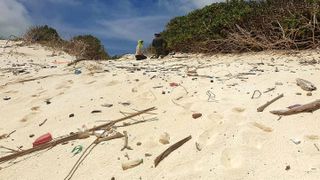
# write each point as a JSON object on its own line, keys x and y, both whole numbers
{"x": 160, "y": 46}
{"x": 139, "y": 51}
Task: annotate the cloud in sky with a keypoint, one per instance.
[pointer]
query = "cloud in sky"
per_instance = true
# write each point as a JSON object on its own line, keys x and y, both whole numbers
{"x": 134, "y": 28}
{"x": 14, "y": 18}
{"x": 119, "y": 23}
{"x": 185, "y": 6}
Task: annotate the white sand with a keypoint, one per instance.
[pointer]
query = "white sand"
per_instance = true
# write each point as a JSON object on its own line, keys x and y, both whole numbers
{"x": 232, "y": 146}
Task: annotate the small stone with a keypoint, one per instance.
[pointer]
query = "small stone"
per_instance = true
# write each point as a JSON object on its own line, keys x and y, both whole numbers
{"x": 31, "y": 135}
{"x": 125, "y": 103}
{"x": 279, "y": 83}
{"x": 139, "y": 143}
{"x": 163, "y": 92}
{"x": 211, "y": 81}
{"x": 309, "y": 94}
{"x": 287, "y": 168}
{"x": 131, "y": 164}
{"x": 48, "y": 102}
{"x": 107, "y": 105}
{"x": 299, "y": 94}
{"x": 147, "y": 154}
{"x": 164, "y": 138}
{"x": 296, "y": 141}
{"x": 71, "y": 115}
{"x": 134, "y": 90}
{"x": 96, "y": 111}
{"x": 196, "y": 115}
{"x": 6, "y": 98}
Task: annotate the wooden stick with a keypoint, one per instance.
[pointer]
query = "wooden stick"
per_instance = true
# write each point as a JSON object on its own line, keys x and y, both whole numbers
{"x": 261, "y": 108}
{"x": 307, "y": 108}
{"x": 33, "y": 79}
{"x": 68, "y": 138}
{"x": 269, "y": 90}
{"x": 10, "y": 149}
{"x": 40, "y": 147}
{"x": 88, "y": 151}
{"x": 122, "y": 119}
{"x": 170, "y": 149}
{"x": 76, "y": 61}
{"x": 43, "y": 122}
{"x": 116, "y": 136}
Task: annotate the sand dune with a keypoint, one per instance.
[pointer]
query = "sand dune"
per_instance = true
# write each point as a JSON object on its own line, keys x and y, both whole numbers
{"x": 231, "y": 140}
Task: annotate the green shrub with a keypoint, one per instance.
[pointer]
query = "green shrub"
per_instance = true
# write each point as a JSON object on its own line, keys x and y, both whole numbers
{"x": 92, "y": 47}
{"x": 84, "y": 46}
{"x": 42, "y": 34}
{"x": 240, "y": 25}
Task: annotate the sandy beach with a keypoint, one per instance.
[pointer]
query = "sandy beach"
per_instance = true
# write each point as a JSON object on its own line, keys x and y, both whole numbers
{"x": 40, "y": 94}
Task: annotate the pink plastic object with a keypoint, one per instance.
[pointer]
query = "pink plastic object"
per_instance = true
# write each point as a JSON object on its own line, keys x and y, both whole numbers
{"x": 42, "y": 139}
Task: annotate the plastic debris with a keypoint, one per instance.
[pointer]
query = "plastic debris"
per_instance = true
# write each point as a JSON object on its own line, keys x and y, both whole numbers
{"x": 76, "y": 150}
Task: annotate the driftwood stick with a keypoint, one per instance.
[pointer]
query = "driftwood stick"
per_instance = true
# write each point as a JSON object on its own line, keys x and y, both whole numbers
{"x": 88, "y": 151}
{"x": 170, "y": 149}
{"x": 33, "y": 79}
{"x": 306, "y": 108}
{"x": 116, "y": 136}
{"x": 122, "y": 119}
{"x": 68, "y": 138}
{"x": 43, "y": 122}
{"x": 75, "y": 61}
{"x": 269, "y": 90}
{"x": 41, "y": 147}
{"x": 305, "y": 85}
{"x": 10, "y": 149}
{"x": 11, "y": 133}
{"x": 261, "y": 108}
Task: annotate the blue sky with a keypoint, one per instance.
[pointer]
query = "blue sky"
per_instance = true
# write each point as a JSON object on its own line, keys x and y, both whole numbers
{"x": 118, "y": 23}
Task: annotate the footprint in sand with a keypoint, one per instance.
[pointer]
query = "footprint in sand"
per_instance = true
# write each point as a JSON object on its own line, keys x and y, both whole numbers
{"x": 36, "y": 108}
{"x": 215, "y": 117}
{"x": 113, "y": 83}
{"x": 147, "y": 96}
{"x": 255, "y": 135}
{"x": 150, "y": 144}
{"x": 238, "y": 109}
{"x": 27, "y": 117}
{"x": 64, "y": 86}
{"x": 206, "y": 138}
{"x": 11, "y": 91}
{"x": 232, "y": 158}
{"x": 237, "y": 157}
{"x": 91, "y": 82}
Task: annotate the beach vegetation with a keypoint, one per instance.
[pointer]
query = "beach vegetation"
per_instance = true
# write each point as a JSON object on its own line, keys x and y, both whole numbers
{"x": 241, "y": 26}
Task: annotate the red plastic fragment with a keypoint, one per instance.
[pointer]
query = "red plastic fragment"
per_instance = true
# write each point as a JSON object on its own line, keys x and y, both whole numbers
{"x": 42, "y": 139}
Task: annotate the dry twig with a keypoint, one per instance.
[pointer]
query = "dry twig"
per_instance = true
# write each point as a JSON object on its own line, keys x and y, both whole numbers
{"x": 170, "y": 150}
{"x": 261, "y": 108}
